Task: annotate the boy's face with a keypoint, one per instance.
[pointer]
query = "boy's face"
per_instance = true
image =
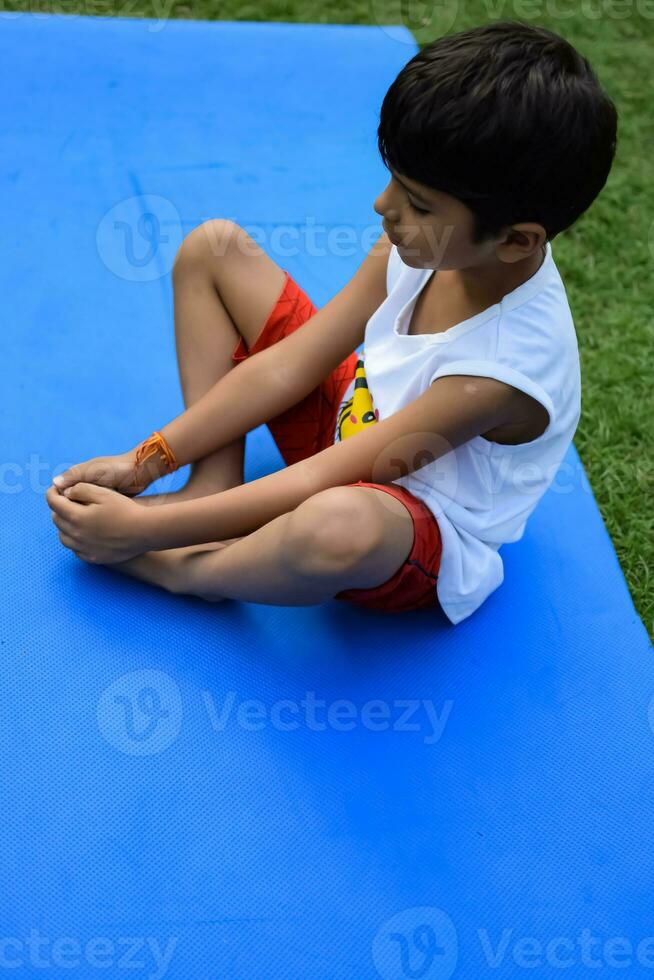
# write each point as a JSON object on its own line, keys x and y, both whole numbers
{"x": 432, "y": 229}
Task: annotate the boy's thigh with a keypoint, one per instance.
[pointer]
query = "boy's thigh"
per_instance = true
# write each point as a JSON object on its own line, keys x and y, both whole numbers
{"x": 407, "y": 561}
{"x": 307, "y": 427}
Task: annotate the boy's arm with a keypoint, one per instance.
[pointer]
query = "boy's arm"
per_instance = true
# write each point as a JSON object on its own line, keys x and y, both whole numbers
{"x": 278, "y": 377}
{"x": 453, "y": 410}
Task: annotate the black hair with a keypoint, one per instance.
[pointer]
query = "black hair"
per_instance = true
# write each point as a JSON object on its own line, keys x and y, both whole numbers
{"x": 509, "y": 118}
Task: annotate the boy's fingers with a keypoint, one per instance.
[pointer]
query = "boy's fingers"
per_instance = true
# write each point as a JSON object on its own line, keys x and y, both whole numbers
{"x": 67, "y": 478}
{"x": 97, "y": 473}
{"x": 92, "y": 471}
{"x": 62, "y": 503}
{"x": 57, "y": 501}
{"x": 62, "y": 523}
{"x": 84, "y": 492}
{"x": 51, "y": 496}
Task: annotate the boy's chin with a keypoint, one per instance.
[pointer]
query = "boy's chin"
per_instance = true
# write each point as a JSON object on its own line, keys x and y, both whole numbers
{"x": 410, "y": 257}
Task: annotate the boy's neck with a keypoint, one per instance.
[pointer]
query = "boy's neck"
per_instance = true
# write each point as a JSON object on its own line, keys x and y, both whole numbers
{"x": 487, "y": 285}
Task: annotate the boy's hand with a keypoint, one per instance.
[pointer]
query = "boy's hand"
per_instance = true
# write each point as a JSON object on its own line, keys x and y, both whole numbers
{"x": 114, "y": 472}
{"x": 100, "y": 525}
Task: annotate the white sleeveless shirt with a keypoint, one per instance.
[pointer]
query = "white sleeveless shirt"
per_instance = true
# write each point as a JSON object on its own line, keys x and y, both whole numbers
{"x": 481, "y": 493}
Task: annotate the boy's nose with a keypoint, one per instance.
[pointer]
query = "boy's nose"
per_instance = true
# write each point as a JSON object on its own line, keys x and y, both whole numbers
{"x": 391, "y": 214}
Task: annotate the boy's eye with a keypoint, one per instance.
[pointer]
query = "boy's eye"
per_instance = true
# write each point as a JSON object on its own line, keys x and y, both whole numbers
{"x": 419, "y": 210}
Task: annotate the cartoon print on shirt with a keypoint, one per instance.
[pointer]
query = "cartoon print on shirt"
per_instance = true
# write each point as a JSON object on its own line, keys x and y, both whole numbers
{"x": 358, "y": 411}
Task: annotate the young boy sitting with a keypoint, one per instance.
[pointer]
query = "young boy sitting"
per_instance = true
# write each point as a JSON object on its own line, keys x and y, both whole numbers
{"x": 412, "y": 462}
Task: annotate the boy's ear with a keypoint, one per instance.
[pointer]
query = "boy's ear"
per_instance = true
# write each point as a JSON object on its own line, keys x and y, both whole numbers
{"x": 521, "y": 241}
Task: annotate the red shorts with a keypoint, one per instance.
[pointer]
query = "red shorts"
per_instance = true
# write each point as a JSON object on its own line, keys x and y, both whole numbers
{"x": 308, "y": 428}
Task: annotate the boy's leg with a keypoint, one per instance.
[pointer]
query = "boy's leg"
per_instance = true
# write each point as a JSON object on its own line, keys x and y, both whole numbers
{"x": 342, "y": 538}
{"x": 224, "y": 286}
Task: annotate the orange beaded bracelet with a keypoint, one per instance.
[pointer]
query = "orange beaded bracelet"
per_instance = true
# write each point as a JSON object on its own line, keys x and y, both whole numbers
{"x": 153, "y": 444}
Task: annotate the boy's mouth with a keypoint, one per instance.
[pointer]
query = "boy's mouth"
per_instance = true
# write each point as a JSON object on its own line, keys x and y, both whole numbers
{"x": 391, "y": 237}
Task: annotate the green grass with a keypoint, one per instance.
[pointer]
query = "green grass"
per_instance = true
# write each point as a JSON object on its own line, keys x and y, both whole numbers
{"x": 605, "y": 259}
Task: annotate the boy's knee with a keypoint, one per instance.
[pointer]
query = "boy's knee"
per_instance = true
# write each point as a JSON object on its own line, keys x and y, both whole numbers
{"x": 332, "y": 530}
{"x": 207, "y": 242}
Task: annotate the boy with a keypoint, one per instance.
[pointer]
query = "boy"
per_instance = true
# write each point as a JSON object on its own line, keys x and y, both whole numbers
{"x": 410, "y": 464}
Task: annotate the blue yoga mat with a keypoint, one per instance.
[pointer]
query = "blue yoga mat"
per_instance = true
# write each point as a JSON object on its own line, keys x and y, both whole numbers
{"x": 250, "y": 791}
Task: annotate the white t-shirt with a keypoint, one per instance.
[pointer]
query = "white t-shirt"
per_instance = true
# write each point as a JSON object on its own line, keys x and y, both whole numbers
{"x": 481, "y": 493}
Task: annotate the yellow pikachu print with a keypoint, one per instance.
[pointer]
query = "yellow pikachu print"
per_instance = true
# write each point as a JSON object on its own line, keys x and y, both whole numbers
{"x": 358, "y": 411}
